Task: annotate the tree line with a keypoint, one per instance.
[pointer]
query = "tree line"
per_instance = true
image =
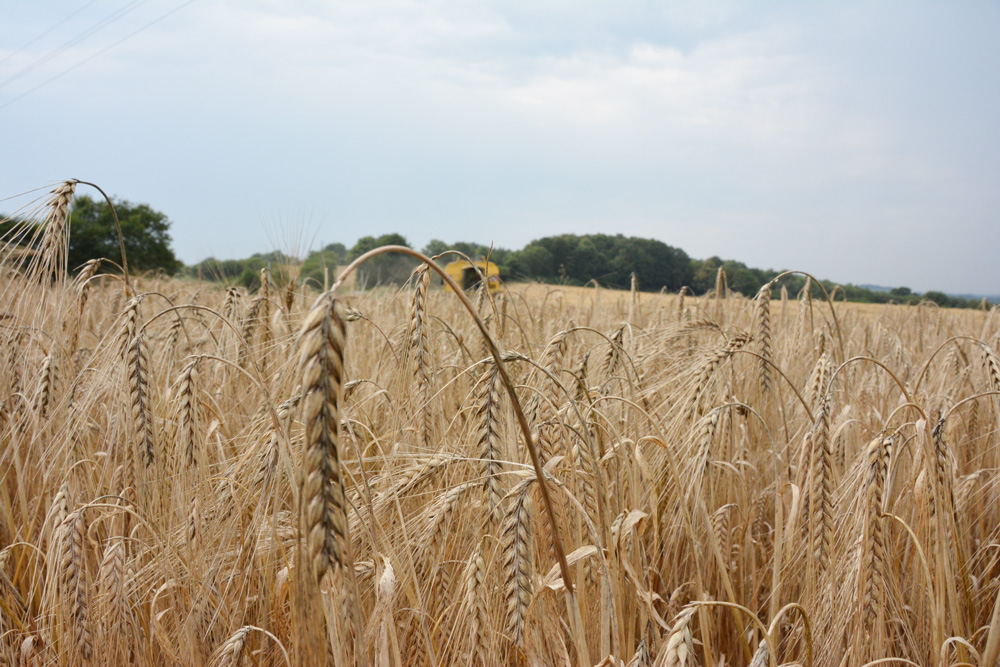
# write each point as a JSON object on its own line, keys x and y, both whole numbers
{"x": 609, "y": 260}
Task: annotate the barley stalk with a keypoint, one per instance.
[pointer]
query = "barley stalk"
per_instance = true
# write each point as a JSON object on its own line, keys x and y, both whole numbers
{"x": 762, "y": 332}
{"x": 138, "y": 383}
{"x": 321, "y": 375}
{"x": 488, "y": 416}
{"x": 516, "y": 547}
{"x": 73, "y": 582}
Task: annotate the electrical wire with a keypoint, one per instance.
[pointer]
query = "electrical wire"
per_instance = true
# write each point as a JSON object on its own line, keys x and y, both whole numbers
{"x": 95, "y": 55}
{"x": 100, "y": 25}
{"x": 14, "y": 53}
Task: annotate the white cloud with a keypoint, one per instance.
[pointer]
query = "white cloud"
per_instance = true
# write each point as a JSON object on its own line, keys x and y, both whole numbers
{"x": 699, "y": 123}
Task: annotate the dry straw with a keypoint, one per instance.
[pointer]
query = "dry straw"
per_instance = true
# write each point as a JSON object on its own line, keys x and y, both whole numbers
{"x": 179, "y": 489}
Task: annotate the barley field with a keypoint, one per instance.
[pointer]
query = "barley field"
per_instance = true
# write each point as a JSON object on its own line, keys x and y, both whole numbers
{"x": 194, "y": 475}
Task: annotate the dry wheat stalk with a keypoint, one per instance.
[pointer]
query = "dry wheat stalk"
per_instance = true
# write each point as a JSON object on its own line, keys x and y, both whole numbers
{"x": 819, "y": 379}
{"x": 231, "y": 304}
{"x": 613, "y": 357}
{"x": 711, "y": 363}
{"x": 188, "y": 413}
{"x": 321, "y": 375}
{"x": 641, "y": 657}
{"x": 516, "y": 548}
{"x": 872, "y": 575}
{"x": 942, "y": 472}
{"x": 762, "y": 332}
{"x": 679, "y": 647}
{"x": 52, "y": 251}
{"x": 992, "y": 367}
{"x": 254, "y": 319}
{"x": 46, "y": 375}
{"x": 475, "y": 605}
{"x": 73, "y": 582}
{"x": 230, "y": 654}
{"x": 418, "y": 340}
{"x": 129, "y": 326}
{"x": 60, "y": 508}
{"x": 138, "y": 384}
{"x": 268, "y": 460}
{"x": 704, "y": 432}
{"x": 821, "y": 486}
{"x": 681, "y": 313}
{"x": 488, "y": 417}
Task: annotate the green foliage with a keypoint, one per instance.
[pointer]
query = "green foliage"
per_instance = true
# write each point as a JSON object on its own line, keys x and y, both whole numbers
{"x": 384, "y": 269}
{"x": 92, "y": 235}
{"x": 570, "y": 259}
{"x": 234, "y": 271}
{"x": 144, "y": 230}
{"x": 474, "y": 251}
{"x": 320, "y": 266}
{"x": 610, "y": 260}
{"x": 249, "y": 279}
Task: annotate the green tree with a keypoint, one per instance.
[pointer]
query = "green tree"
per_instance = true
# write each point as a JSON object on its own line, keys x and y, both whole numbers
{"x": 337, "y": 249}
{"x": 144, "y": 230}
{"x": 436, "y": 247}
{"x": 384, "y": 269}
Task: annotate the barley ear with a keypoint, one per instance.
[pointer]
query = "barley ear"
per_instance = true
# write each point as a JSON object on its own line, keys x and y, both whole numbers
{"x": 762, "y": 332}
{"x": 321, "y": 371}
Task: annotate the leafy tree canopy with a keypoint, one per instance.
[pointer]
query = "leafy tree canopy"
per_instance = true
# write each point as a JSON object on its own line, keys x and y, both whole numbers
{"x": 146, "y": 233}
{"x": 386, "y": 268}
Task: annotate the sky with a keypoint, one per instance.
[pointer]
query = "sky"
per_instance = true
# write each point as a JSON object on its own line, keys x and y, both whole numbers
{"x": 859, "y": 141}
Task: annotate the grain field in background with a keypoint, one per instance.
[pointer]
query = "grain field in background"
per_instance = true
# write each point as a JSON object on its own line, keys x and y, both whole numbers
{"x": 191, "y": 475}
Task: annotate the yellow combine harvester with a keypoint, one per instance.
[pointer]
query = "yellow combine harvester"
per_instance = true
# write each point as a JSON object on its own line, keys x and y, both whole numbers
{"x": 464, "y": 273}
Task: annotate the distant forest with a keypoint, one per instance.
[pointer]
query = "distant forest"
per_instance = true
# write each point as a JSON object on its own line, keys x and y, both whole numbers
{"x": 567, "y": 259}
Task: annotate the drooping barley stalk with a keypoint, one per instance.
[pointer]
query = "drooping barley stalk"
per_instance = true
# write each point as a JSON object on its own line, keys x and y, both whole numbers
{"x": 819, "y": 380}
{"x": 641, "y": 657}
{"x": 516, "y": 548}
{"x": 251, "y": 323}
{"x": 488, "y": 417}
{"x": 129, "y": 326}
{"x": 88, "y": 271}
{"x": 991, "y": 364}
{"x": 268, "y": 460}
{"x": 872, "y": 576}
{"x": 73, "y": 583}
{"x": 613, "y": 357}
{"x": 113, "y": 608}
{"x": 476, "y": 590}
{"x": 821, "y": 486}
{"x": 139, "y": 393}
{"x": 52, "y": 251}
{"x": 418, "y": 354}
{"x": 678, "y": 650}
{"x": 230, "y": 654}
{"x": 46, "y": 376}
{"x": 61, "y": 506}
{"x": 231, "y": 305}
{"x": 681, "y": 313}
{"x": 709, "y": 365}
{"x": 762, "y": 333}
{"x": 188, "y": 413}
{"x": 321, "y": 375}
{"x": 704, "y": 432}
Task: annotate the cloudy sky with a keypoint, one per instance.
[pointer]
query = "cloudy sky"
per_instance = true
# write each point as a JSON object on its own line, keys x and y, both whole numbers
{"x": 858, "y": 141}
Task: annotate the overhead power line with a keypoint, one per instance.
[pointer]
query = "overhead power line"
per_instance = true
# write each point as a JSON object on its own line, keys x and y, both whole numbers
{"x": 43, "y": 34}
{"x": 95, "y": 55}
{"x": 100, "y": 25}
